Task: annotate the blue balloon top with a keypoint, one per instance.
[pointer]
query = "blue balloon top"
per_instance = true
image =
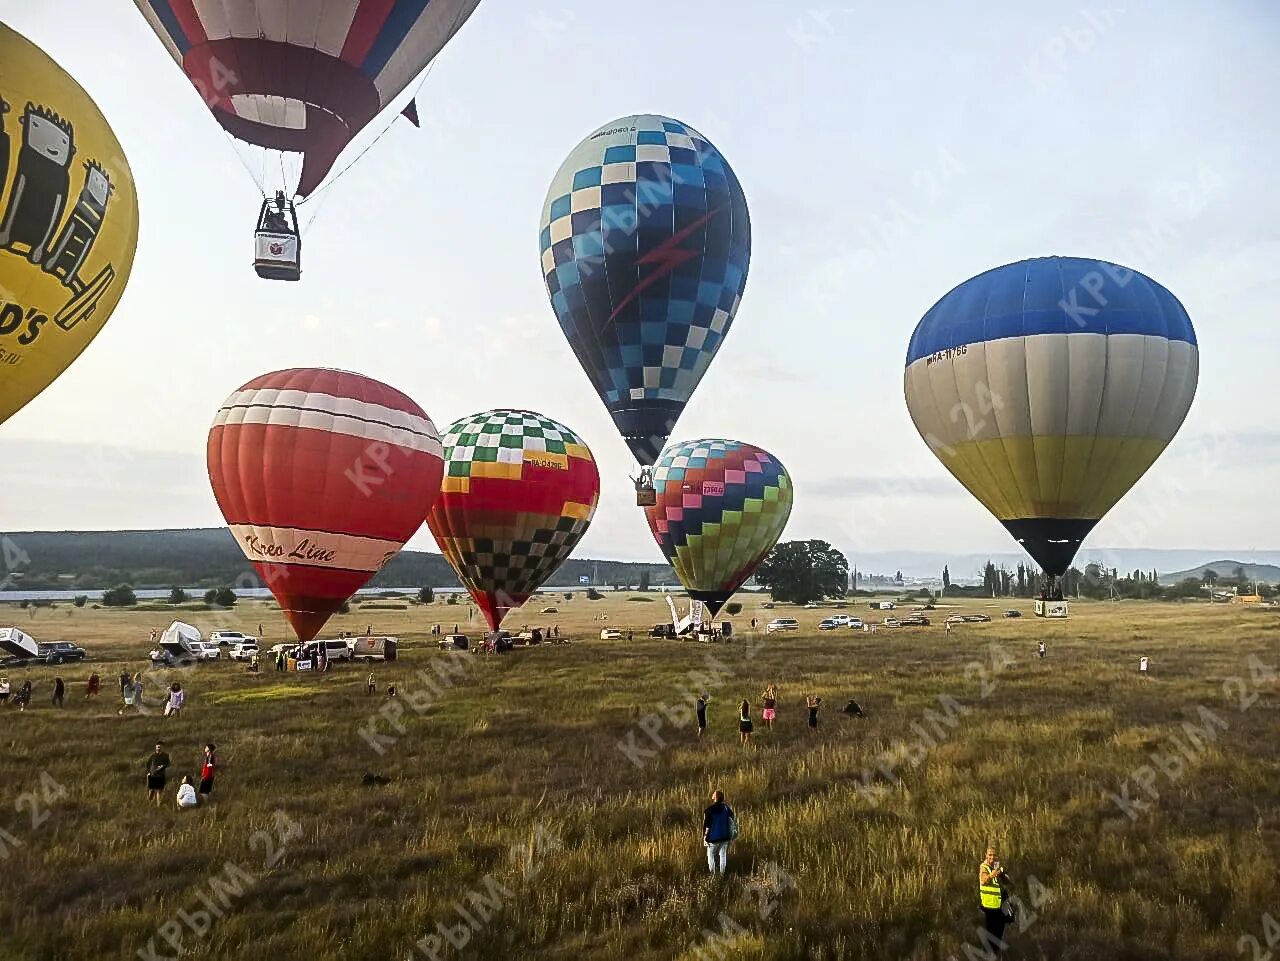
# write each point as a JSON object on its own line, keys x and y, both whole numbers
{"x": 645, "y": 242}
{"x": 1050, "y": 295}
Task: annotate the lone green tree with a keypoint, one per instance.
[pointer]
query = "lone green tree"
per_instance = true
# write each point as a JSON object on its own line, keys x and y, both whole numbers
{"x": 177, "y": 595}
{"x": 426, "y": 595}
{"x": 803, "y": 571}
{"x": 946, "y": 578}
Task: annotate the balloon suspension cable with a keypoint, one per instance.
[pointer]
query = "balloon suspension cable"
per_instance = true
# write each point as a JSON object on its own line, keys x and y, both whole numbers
{"x": 385, "y": 130}
{"x": 244, "y": 163}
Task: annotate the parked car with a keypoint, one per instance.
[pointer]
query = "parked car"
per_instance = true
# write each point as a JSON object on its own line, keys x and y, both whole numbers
{"x": 454, "y": 642}
{"x": 1012, "y": 614}
{"x": 811, "y": 606}
{"x": 609, "y": 634}
{"x": 60, "y": 652}
{"x": 206, "y": 650}
{"x": 274, "y": 650}
{"x": 244, "y": 651}
{"x": 767, "y": 605}
{"x": 915, "y": 620}
{"x": 977, "y": 618}
{"x": 548, "y": 610}
{"x": 662, "y": 630}
{"x": 334, "y": 650}
{"x": 891, "y": 622}
{"x": 782, "y": 624}
{"x": 855, "y": 623}
{"x": 840, "y": 620}
{"x": 827, "y": 624}
{"x": 229, "y": 638}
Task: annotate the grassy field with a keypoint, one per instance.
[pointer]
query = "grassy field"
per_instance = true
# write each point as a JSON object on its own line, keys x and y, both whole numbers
{"x": 547, "y": 803}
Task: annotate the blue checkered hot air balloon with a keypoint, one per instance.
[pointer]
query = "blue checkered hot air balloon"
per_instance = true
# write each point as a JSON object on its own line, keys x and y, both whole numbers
{"x": 645, "y": 244}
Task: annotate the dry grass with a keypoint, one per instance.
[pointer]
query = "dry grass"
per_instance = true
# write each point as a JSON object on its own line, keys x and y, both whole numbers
{"x": 510, "y": 768}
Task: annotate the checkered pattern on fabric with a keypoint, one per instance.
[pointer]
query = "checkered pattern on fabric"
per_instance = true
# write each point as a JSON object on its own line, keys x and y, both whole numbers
{"x": 519, "y": 492}
{"x": 645, "y": 243}
{"x": 721, "y": 506}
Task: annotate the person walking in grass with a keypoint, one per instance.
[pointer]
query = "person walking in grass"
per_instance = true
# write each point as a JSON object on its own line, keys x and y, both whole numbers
{"x": 207, "y": 771}
{"x": 992, "y": 897}
{"x": 137, "y": 689}
{"x": 4, "y": 691}
{"x": 129, "y": 694}
{"x": 173, "y": 707}
{"x": 719, "y": 828}
{"x": 769, "y": 709}
{"x": 59, "y": 692}
{"x": 23, "y": 697}
{"x": 125, "y": 681}
{"x": 701, "y": 707}
{"x": 157, "y": 769}
{"x": 744, "y": 721}
{"x": 93, "y": 687}
{"x": 1041, "y": 650}
{"x": 372, "y": 687}
{"x": 813, "y": 702}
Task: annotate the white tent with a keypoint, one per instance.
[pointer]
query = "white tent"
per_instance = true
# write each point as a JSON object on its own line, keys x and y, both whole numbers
{"x": 178, "y": 638}
{"x": 17, "y": 643}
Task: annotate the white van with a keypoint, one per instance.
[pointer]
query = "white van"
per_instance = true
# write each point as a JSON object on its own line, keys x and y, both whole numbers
{"x": 782, "y": 624}
{"x": 333, "y": 650}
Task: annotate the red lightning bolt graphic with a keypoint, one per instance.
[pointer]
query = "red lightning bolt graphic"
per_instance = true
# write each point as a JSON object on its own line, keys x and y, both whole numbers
{"x": 668, "y": 255}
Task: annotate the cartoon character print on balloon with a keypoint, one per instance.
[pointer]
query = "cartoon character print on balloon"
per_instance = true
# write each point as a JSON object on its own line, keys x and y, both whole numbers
{"x": 645, "y": 242}
{"x": 64, "y": 256}
{"x": 519, "y": 492}
{"x": 721, "y": 507}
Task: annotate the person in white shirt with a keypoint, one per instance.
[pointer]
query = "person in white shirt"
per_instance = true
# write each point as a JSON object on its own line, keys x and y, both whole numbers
{"x": 1142, "y": 666}
{"x": 4, "y": 690}
{"x": 187, "y": 794}
{"x": 176, "y": 699}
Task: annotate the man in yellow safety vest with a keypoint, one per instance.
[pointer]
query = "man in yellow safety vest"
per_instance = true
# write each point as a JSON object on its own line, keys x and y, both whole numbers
{"x": 989, "y": 874}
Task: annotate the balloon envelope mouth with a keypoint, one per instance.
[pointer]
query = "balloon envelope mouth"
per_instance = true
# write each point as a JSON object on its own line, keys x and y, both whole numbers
{"x": 1051, "y": 541}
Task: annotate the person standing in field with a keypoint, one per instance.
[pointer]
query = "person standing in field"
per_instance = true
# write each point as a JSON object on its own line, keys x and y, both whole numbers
{"x": 94, "y": 686}
{"x": 137, "y": 689}
{"x": 4, "y": 690}
{"x": 770, "y": 705}
{"x": 813, "y": 702}
{"x": 1041, "y": 650}
{"x": 280, "y": 660}
{"x": 157, "y": 768}
{"x": 992, "y": 896}
{"x": 1143, "y": 663}
{"x": 372, "y": 686}
{"x": 718, "y": 832}
{"x": 126, "y": 680}
{"x": 59, "y": 692}
{"x": 701, "y": 707}
{"x": 23, "y": 697}
{"x": 744, "y": 721}
{"x": 129, "y": 695}
{"x": 207, "y": 771}
{"x": 173, "y": 707}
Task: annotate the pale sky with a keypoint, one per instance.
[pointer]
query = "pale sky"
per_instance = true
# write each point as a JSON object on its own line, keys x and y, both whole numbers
{"x": 888, "y": 153}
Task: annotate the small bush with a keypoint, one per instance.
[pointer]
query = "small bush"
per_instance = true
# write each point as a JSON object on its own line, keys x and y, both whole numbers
{"x": 452, "y": 599}
{"x": 426, "y": 595}
{"x": 733, "y": 607}
{"x": 121, "y": 596}
{"x": 177, "y": 595}
{"x": 81, "y": 600}
{"x": 594, "y": 595}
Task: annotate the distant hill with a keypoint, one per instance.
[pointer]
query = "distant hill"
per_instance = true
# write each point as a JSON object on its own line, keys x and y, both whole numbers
{"x": 210, "y": 557}
{"x": 1264, "y": 573}
{"x": 968, "y": 566}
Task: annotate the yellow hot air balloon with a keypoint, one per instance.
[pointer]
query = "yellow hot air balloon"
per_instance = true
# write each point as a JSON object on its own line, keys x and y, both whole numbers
{"x": 68, "y": 221}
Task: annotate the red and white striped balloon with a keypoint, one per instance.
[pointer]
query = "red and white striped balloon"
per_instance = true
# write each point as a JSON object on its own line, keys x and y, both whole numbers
{"x": 322, "y": 476}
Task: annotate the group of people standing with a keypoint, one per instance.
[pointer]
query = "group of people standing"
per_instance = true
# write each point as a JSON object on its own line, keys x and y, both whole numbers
{"x": 158, "y": 765}
{"x": 768, "y": 712}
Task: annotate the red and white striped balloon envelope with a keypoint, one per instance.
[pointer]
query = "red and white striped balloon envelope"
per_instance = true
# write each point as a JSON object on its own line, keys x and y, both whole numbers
{"x": 322, "y": 475}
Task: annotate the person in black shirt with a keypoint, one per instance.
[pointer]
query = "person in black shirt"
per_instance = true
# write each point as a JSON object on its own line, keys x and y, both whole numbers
{"x": 702, "y": 713}
{"x": 157, "y": 766}
{"x": 718, "y": 831}
{"x": 813, "y": 703}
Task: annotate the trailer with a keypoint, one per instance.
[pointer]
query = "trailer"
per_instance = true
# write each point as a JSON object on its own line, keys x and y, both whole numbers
{"x": 18, "y": 643}
{"x": 179, "y": 644}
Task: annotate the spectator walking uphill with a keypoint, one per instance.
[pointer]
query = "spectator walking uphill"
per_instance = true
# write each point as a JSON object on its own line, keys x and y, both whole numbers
{"x": 93, "y": 687}
{"x": 59, "y": 692}
{"x": 173, "y": 707}
{"x": 157, "y": 769}
{"x": 186, "y": 794}
{"x": 744, "y": 721}
{"x": 207, "y": 771}
{"x": 719, "y": 829}
{"x": 992, "y": 896}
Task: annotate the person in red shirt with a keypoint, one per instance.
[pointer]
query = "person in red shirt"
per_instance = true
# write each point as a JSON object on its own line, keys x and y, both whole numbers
{"x": 206, "y": 772}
